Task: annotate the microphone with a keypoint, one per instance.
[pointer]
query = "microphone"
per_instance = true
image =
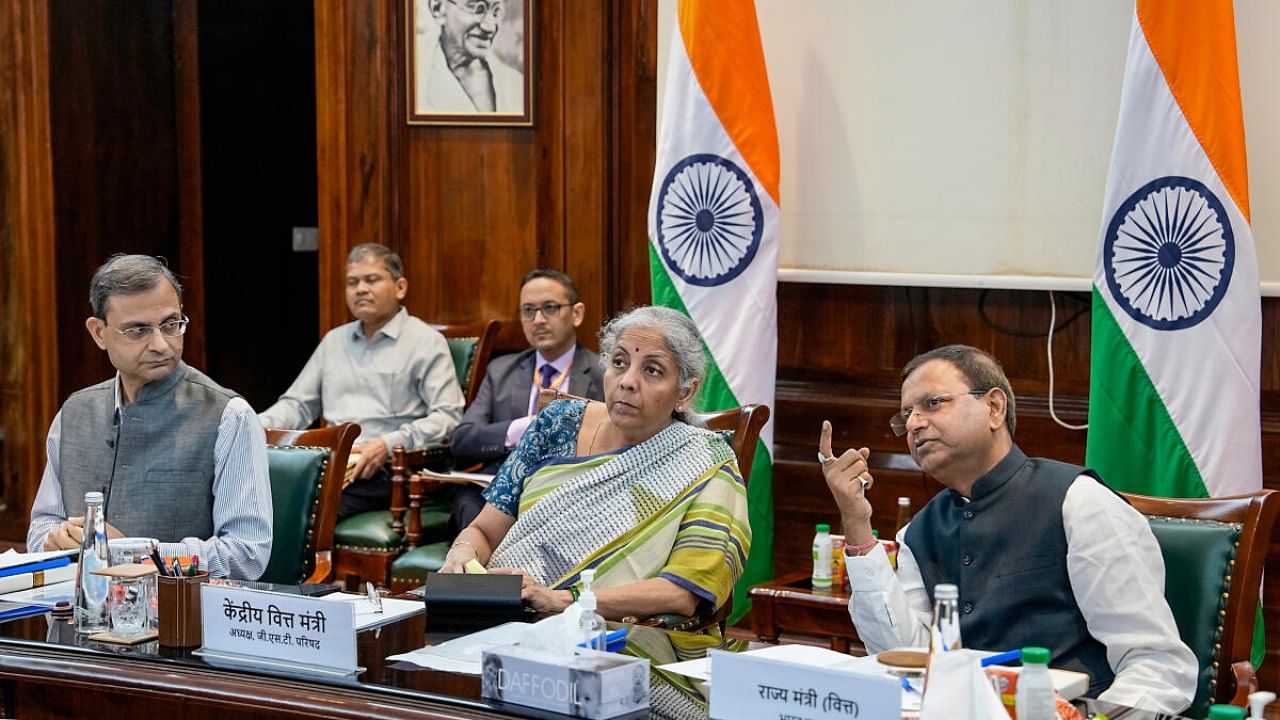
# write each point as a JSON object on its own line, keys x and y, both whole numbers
{"x": 114, "y": 444}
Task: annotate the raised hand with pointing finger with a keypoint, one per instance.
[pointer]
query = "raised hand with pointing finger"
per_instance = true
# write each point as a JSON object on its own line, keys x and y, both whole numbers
{"x": 848, "y": 477}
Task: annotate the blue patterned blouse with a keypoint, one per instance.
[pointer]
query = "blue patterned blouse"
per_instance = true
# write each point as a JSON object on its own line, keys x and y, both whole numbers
{"x": 552, "y": 435}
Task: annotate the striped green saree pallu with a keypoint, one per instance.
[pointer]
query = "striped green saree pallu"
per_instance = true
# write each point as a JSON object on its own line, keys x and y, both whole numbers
{"x": 672, "y": 507}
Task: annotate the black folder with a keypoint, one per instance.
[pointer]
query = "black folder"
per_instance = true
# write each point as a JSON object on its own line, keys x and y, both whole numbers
{"x": 465, "y": 603}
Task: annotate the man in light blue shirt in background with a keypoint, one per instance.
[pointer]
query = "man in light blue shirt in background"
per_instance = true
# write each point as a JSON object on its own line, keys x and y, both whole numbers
{"x": 387, "y": 370}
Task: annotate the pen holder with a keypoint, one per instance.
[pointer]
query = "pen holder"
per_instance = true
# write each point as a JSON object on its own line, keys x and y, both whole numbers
{"x": 180, "y": 624}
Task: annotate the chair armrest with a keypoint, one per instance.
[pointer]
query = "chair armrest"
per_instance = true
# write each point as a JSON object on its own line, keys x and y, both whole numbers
{"x": 324, "y": 568}
{"x": 435, "y": 456}
{"x": 546, "y": 396}
{"x": 1246, "y": 680}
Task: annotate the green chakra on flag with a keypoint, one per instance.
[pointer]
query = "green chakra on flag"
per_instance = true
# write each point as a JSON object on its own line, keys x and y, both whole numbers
{"x": 1168, "y": 253}
{"x": 709, "y": 220}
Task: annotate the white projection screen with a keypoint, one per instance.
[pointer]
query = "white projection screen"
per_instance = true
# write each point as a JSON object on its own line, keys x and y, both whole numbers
{"x": 966, "y": 143}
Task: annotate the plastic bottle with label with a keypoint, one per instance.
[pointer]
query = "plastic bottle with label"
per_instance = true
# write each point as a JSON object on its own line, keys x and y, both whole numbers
{"x": 822, "y": 557}
{"x": 1035, "y": 697}
{"x": 904, "y": 515}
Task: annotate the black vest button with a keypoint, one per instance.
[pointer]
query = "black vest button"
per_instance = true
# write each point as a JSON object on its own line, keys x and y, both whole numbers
{"x": 968, "y": 514}
{"x": 968, "y": 608}
{"x": 967, "y": 559}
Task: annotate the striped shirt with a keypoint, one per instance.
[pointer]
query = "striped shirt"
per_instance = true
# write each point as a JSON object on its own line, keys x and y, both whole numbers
{"x": 242, "y": 519}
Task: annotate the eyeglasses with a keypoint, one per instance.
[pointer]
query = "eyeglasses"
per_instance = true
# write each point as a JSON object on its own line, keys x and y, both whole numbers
{"x": 480, "y": 8}
{"x": 548, "y": 309}
{"x": 142, "y": 333}
{"x": 931, "y": 405}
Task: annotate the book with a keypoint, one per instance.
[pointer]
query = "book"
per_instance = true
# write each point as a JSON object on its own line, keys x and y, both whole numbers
{"x": 38, "y": 578}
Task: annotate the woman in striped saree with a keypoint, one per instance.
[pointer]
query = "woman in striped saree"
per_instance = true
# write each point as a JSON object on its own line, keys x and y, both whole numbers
{"x": 628, "y": 487}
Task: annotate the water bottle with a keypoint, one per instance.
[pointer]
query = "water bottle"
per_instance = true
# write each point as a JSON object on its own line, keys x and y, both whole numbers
{"x": 944, "y": 631}
{"x": 822, "y": 557}
{"x": 904, "y": 515}
{"x": 1035, "y": 696}
{"x": 91, "y": 590}
{"x": 591, "y": 627}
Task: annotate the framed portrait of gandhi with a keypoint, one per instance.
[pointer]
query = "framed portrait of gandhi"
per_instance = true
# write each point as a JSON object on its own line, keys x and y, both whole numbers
{"x": 469, "y": 62}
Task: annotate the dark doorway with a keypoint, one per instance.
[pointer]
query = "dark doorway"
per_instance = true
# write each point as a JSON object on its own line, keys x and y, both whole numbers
{"x": 258, "y": 141}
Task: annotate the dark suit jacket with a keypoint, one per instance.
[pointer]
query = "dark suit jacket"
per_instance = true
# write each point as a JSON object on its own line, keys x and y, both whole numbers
{"x": 504, "y": 396}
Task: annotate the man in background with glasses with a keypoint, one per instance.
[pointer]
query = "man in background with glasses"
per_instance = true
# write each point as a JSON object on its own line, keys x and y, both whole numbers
{"x": 463, "y": 73}
{"x": 386, "y": 370}
{"x": 1044, "y": 554}
{"x": 178, "y": 457}
{"x": 508, "y": 398}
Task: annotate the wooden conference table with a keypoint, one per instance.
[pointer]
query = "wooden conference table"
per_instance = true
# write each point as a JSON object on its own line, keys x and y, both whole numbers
{"x": 47, "y": 671}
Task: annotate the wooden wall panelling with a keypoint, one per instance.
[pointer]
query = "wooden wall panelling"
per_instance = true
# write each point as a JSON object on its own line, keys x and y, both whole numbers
{"x": 112, "y": 113}
{"x": 186, "y": 67}
{"x": 28, "y": 321}
{"x": 472, "y": 209}
{"x": 632, "y": 147}
{"x": 353, "y": 114}
{"x": 584, "y": 43}
{"x": 840, "y": 350}
{"x": 332, "y": 51}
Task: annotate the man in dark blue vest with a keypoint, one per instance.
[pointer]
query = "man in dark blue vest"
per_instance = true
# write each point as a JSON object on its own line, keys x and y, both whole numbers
{"x": 178, "y": 458}
{"x": 1043, "y": 553}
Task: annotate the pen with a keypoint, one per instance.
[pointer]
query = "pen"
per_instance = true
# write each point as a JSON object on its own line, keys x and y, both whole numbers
{"x": 194, "y": 568}
{"x": 1002, "y": 658}
{"x": 158, "y": 561}
{"x": 177, "y": 568}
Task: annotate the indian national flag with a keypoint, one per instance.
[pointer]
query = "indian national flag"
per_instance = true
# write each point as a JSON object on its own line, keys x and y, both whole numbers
{"x": 1177, "y": 317}
{"x": 713, "y": 225}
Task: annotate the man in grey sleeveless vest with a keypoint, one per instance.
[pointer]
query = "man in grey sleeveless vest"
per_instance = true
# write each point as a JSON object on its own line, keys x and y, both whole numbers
{"x": 178, "y": 457}
{"x": 1043, "y": 553}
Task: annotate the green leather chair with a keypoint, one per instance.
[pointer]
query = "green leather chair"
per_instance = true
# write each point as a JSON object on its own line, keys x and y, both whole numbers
{"x": 1214, "y": 550}
{"x": 367, "y": 543}
{"x": 306, "y": 469}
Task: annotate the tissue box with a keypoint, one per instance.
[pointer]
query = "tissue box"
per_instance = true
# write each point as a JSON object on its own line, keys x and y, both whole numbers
{"x": 589, "y": 684}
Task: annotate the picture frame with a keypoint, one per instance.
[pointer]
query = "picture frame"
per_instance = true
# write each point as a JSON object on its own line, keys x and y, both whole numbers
{"x": 469, "y": 62}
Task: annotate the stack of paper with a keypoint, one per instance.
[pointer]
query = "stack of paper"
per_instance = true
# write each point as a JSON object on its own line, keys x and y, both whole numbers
{"x": 352, "y": 460}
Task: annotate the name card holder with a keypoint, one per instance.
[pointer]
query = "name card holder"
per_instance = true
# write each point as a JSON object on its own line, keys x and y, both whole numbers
{"x": 745, "y": 686}
{"x": 278, "y": 631}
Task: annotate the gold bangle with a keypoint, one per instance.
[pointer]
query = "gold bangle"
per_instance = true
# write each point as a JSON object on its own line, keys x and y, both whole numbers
{"x": 462, "y": 542}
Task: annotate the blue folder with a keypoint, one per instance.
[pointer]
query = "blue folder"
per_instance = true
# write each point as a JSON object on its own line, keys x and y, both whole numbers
{"x": 34, "y": 566}
{"x": 20, "y": 611}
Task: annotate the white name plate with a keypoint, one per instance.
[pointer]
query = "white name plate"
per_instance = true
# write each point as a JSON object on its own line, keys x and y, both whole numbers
{"x": 291, "y": 629}
{"x": 745, "y": 686}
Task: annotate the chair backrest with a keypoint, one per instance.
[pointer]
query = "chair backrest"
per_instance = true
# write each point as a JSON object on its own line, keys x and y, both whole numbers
{"x": 471, "y": 345}
{"x": 743, "y": 424}
{"x": 1214, "y": 550}
{"x": 306, "y": 469}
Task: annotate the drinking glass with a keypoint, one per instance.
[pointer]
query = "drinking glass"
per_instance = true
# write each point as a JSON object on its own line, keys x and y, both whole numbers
{"x": 136, "y": 550}
{"x": 129, "y": 602}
